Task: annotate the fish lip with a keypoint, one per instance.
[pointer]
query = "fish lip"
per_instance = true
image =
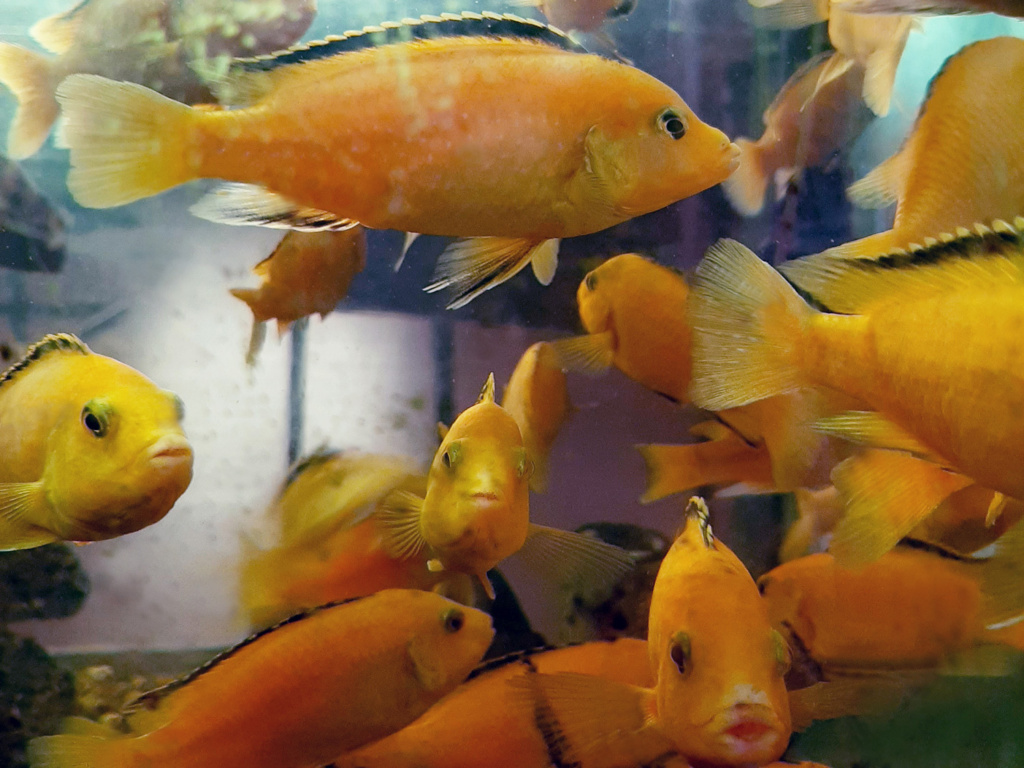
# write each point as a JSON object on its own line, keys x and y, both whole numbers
{"x": 733, "y": 151}
{"x": 169, "y": 450}
{"x": 484, "y": 496}
{"x": 748, "y": 725}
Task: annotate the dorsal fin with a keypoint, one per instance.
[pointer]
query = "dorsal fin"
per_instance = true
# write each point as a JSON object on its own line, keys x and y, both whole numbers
{"x": 697, "y": 509}
{"x": 152, "y": 699}
{"x": 989, "y": 255}
{"x": 54, "y": 342}
{"x": 321, "y": 455}
{"x": 465, "y": 24}
{"x": 57, "y": 33}
{"x": 487, "y": 393}
{"x": 515, "y": 657}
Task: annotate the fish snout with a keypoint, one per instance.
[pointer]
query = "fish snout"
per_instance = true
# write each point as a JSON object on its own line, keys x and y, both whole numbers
{"x": 169, "y": 451}
{"x": 750, "y": 724}
{"x": 732, "y": 153}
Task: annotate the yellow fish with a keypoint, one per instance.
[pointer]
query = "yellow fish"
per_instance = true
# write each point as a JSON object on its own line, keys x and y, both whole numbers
{"x": 425, "y": 154}
{"x": 307, "y": 272}
{"x": 476, "y": 511}
{"x": 943, "y": 178}
{"x": 928, "y": 386}
{"x": 91, "y": 448}
{"x": 287, "y": 698}
{"x": 720, "y": 695}
{"x": 872, "y": 43}
{"x": 537, "y": 398}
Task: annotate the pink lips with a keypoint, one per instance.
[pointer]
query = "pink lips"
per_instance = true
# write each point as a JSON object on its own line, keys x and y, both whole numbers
{"x": 168, "y": 450}
{"x": 749, "y": 730}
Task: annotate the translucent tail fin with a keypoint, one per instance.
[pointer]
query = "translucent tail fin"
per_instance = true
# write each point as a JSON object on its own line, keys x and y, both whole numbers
{"x": 29, "y": 75}
{"x": 127, "y": 142}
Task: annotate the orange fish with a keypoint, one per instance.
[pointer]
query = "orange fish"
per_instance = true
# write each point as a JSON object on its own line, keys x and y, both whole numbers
{"x": 942, "y": 178}
{"x": 308, "y": 272}
{"x": 287, "y": 698}
{"x": 872, "y": 43}
{"x": 90, "y": 448}
{"x": 917, "y": 607}
{"x": 912, "y": 359}
{"x": 603, "y": 142}
{"x": 480, "y": 724}
{"x": 804, "y": 127}
{"x": 537, "y": 398}
{"x": 331, "y": 547}
{"x": 476, "y": 510}
{"x": 720, "y": 696}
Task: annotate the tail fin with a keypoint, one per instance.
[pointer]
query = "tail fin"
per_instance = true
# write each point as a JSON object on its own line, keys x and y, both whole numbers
{"x": 747, "y": 327}
{"x": 748, "y": 183}
{"x": 681, "y": 468}
{"x": 127, "y": 142}
{"x": 1002, "y": 579}
{"x": 29, "y": 75}
{"x": 73, "y": 751}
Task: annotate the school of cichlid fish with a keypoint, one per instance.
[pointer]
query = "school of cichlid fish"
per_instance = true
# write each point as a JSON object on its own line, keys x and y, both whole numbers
{"x": 880, "y": 382}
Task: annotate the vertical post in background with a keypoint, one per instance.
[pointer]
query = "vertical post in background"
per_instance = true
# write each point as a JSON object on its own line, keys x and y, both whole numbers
{"x": 296, "y": 389}
{"x": 443, "y": 338}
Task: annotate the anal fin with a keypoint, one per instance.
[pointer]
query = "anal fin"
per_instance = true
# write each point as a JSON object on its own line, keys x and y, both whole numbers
{"x": 249, "y": 204}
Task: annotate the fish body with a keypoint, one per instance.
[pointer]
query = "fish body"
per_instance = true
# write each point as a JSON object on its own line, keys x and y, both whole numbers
{"x": 721, "y": 693}
{"x": 158, "y": 43}
{"x": 32, "y": 231}
{"x": 537, "y": 398}
{"x": 92, "y": 449}
{"x": 287, "y": 697}
{"x": 482, "y": 713}
{"x": 584, "y": 15}
{"x": 911, "y": 609}
{"x": 308, "y": 272}
{"x": 964, "y": 352}
{"x": 934, "y": 7}
{"x": 583, "y": 143}
{"x": 954, "y": 169}
{"x": 805, "y": 126}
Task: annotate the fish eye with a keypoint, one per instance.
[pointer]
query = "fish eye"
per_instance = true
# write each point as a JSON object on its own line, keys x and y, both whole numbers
{"x": 679, "y": 652}
{"x": 453, "y": 620}
{"x": 672, "y": 123}
{"x": 591, "y": 281}
{"x": 780, "y": 650}
{"x": 96, "y": 418}
{"x": 450, "y": 457}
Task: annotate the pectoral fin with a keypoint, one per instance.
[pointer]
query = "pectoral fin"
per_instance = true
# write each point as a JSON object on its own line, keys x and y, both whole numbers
{"x": 567, "y": 558}
{"x": 245, "y": 204}
{"x": 592, "y": 354}
{"x": 886, "y": 494}
{"x": 471, "y": 266}
{"x": 875, "y": 431}
{"x": 23, "y": 512}
{"x": 398, "y": 518}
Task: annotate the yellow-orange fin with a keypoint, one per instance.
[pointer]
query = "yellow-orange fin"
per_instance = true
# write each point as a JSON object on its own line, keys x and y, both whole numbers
{"x": 995, "y": 509}
{"x": 872, "y": 429}
{"x": 584, "y": 715}
{"x": 568, "y": 558}
{"x": 410, "y": 238}
{"x": 398, "y": 516}
{"x": 250, "y": 204}
{"x": 29, "y": 75}
{"x": 127, "y": 142}
{"x": 256, "y": 340}
{"x": 886, "y": 495}
{"x": 470, "y": 266}
{"x": 1002, "y": 579}
{"x": 23, "y": 511}
{"x": 747, "y": 185}
{"x": 880, "y": 68}
{"x": 836, "y": 66}
{"x": 788, "y": 14}
{"x": 591, "y": 353}
{"x": 712, "y": 429}
{"x": 845, "y": 697}
{"x": 76, "y": 751}
{"x": 883, "y": 185}
{"x": 819, "y": 511}
{"x": 57, "y": 33}
{"x": 747, "y": 323}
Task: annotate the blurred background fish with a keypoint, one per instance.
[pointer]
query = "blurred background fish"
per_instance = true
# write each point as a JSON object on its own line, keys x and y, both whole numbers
{"x": 32, "y": 230}
{"x": 581, "y": 15}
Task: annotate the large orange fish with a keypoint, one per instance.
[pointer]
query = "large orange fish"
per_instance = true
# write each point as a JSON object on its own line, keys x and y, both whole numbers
{"x": 480, "y": 724}
{"x": 294, "y": 697}
{"x": 804, "y": 127}
{"x": 90, "y": 448}
{"x": 537, "y": 398}
{"x": 720, "y": 695}
{"x": 929, "y": 388}
{"x": 917, "y": 607}
{"x": 471, "y": 125}
{"x": 960, "y": 165}
{"x": 476, "y": 510}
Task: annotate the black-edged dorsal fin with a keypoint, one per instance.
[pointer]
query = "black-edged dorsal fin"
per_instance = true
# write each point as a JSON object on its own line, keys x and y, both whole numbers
{"x": 515, "y": 657}
{"x": 986, "y": 256}
{"x": 53, "y": 342}
{"x": 465, "y": 24}
{"x": 151, "y": 699}
{"x": 321, "y": 455}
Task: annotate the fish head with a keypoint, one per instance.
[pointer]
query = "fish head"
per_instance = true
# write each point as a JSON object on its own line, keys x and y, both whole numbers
{"x": 476, "y": 511}
{"x": 449, "y": 642}
{"x": 655, "y": 151}
{"x": 721, "y": 692}
{"x": 118, "y": 459}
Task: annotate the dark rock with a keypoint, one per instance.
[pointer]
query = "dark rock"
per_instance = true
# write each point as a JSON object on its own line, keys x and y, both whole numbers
{"x": 41, "y": 583}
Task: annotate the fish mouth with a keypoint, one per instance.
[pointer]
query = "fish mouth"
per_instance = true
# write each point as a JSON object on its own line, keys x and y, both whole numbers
{"x": 748, "y": 727}
{"x": 733, "y": 157}
{"x": 490, "y": 498}
{"x": 168, "y": 451}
